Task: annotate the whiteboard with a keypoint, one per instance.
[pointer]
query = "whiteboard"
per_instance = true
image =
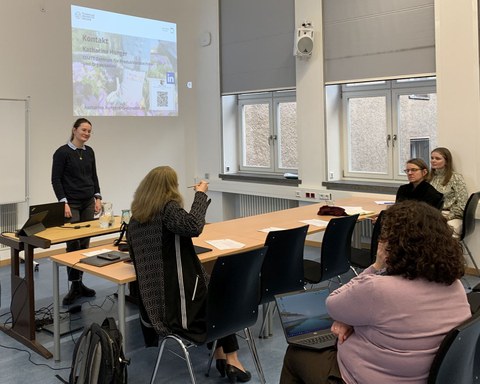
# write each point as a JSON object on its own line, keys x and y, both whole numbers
{"x": 13, "y": 151}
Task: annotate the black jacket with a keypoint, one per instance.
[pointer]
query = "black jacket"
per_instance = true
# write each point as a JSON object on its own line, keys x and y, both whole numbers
{"x": 423, "y": 192}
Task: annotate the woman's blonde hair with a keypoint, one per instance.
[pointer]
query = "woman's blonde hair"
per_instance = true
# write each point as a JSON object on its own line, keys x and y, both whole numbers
{"x": 156, "y": 189}
{"x": 447, "y": 155}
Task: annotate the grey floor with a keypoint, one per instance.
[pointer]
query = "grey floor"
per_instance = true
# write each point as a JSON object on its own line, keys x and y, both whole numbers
{"x": 20, "y": 365}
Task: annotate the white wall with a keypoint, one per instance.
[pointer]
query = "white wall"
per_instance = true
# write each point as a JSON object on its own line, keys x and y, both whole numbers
{"x": 458, "y": 89}
{"x": 36, "y": 62}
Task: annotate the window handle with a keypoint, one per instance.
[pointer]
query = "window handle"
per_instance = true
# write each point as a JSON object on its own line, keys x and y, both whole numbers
{"x": 389, "y": 137}
{"x": 394, "y": 140}
{"x": 271, "y": 138}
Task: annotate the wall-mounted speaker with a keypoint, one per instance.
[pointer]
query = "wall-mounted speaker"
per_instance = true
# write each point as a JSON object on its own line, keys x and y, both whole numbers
{"x": 304, "y": 42}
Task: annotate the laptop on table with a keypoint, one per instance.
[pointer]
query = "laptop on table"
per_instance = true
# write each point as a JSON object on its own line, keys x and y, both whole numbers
{"x": 55, "y": 213}
{"x": 33, "y": 225}
{"x": 305, "y": 320}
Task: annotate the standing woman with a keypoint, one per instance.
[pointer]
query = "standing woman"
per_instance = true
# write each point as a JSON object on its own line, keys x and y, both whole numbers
{"x": 171, "y": 280}
{"x": 451, "y": 184}
{"x": 75, "y": 182}
{"x": 418, "y": 188}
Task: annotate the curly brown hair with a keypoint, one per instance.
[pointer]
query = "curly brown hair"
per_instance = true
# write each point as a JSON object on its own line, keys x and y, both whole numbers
{"x": 420, "y": 243}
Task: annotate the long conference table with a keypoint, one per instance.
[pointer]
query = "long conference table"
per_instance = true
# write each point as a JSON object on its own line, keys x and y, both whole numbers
{"x": 246, "y": 230}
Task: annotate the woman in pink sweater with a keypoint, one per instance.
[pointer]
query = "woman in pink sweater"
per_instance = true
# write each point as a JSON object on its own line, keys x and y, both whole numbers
{"x": 391, "y": 319}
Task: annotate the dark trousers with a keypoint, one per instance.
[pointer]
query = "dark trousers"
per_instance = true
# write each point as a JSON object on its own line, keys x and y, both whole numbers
{"x": 228, "y": 343}
{"x": 83, "y": 211}
{"x": 307, "y": 366}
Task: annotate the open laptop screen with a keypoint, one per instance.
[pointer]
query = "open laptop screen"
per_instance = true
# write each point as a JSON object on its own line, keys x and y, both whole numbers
{"x": 304, "y": 312}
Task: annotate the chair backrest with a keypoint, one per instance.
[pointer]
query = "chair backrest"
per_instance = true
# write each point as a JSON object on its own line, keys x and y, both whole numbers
{"x": 439, "y": 204}
{"x": 469, "y": 215}
{"x": 336, "y": 246}
{"x": 458, "y": 357}
{"x": 282, "y": 269}
{"x": 233, "y": 293}
{"x": 377, "y": 228}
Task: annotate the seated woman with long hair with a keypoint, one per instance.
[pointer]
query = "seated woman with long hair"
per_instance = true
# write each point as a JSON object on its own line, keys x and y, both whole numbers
{"x": 451, "y": 184}
{"x": 171, "y": 280}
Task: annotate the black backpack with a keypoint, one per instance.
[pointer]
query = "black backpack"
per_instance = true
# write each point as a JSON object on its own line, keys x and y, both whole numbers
{"x": 98, "y": 356}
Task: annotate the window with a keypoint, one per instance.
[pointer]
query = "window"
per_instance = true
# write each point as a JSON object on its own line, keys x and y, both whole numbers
{"x": 268, "y": 132}
{"x": 385, "y": 124}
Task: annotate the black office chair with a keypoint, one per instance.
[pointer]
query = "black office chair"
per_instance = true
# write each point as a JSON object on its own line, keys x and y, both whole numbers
{"x": 282, "y": 269}
{"x": 458, "y": 358}
{"x": 232, "y": 305}
{"x": 474, "y": 301}
{"x": 335, "y": 251}
{"x": 468, "y": 224}
{"x": 363, "y": 258}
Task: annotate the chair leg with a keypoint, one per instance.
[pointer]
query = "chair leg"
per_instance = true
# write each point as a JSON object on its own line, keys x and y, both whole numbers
{"x": 472, "y": 258}
{"x": 210, "y": 360}
{"x": 186, "y": 355}
{"x": 253, "y": 351}
{"x": 159, "y": 357}
{"x": 354, "y": 270}
{"x": 266, "y": 318}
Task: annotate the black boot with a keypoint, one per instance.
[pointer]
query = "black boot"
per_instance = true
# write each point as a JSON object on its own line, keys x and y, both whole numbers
{"x": 74, "y": 293}
{"x": 87, "y": 292}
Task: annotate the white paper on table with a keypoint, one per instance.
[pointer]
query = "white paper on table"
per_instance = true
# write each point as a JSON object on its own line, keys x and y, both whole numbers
{"x": 270, "y": 229}
{"x": 224, "y": 244}
{"x": 315, "y": 222}
{"x": 98, "y": 252}
{"x": 385, "y": 202}
{"x": 355, "y": 210}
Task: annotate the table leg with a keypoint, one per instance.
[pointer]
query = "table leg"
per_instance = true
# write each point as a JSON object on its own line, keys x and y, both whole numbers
{"x": 23, "y": 305}
{"x": 56, "y": 313}
{"x": 121, "y": 313}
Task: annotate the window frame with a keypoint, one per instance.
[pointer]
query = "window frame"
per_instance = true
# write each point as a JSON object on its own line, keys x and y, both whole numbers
{"x": 273, "y": 99}
{"x": 392, "y": 90}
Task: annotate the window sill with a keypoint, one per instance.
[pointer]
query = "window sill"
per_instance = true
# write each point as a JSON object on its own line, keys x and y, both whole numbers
{"x": 363, "y": 186}
{"x": 259, "y": 178}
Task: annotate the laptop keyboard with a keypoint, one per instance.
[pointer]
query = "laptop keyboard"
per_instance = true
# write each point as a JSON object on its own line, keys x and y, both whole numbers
{"x": 319, "y": 339}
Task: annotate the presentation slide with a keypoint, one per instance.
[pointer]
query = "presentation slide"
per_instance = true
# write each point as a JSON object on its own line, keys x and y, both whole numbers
{"x": 123, "y": 65}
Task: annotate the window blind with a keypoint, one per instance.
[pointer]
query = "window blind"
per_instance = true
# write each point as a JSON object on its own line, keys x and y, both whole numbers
{"x": 373, "y": 39}
{"x": 256, "y": 43}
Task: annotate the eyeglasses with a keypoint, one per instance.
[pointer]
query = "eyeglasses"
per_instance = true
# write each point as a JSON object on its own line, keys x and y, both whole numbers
{"x": 411, "y": 170}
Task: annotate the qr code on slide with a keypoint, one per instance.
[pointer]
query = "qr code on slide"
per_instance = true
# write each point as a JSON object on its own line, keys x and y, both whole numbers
{"x": 162, "y": 99}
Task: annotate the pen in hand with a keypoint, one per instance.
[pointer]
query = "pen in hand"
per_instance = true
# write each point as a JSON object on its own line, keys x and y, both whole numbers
{"x": 193, "y": 186}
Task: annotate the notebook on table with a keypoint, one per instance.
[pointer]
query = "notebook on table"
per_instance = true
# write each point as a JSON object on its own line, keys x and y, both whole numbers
{"x": 305, "y": 320}
{"x": 106, "y": 258}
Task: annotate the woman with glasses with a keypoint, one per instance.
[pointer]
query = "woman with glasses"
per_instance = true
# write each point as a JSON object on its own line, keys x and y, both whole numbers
{"x": 418, "y": 188}
{"x": 451, "y": 184}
